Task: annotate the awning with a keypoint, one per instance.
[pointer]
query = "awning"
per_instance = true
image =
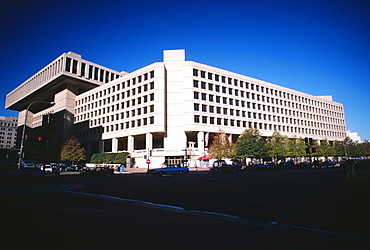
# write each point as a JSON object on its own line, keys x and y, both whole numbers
{"x": 204, "y": 158}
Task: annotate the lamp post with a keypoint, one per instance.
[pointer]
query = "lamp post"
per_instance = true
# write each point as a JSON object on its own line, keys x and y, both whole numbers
{"x": 24, "y": 130}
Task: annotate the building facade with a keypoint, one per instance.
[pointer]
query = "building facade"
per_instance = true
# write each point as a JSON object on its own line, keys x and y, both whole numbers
{"x": 8, "y": 132}
{"x": 172, "y": 109}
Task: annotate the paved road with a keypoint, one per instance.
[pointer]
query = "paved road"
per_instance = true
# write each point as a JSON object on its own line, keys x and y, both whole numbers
{"x": 260, "y": 201}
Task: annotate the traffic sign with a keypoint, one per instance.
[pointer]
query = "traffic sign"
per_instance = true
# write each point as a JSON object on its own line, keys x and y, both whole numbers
{"x": 148, "y": 161}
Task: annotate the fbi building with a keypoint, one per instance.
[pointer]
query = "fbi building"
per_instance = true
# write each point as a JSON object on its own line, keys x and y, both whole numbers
{"x": 171, "y": 109}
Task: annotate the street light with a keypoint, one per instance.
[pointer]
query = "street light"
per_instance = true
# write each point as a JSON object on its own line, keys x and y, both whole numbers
{"x": 24, "y": 130}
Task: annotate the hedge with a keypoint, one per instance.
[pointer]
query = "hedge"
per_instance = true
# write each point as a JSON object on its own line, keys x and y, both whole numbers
{"x": 109, "y": 158}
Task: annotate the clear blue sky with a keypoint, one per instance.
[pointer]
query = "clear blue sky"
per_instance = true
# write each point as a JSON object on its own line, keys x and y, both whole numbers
{"x": 320, "y": 47}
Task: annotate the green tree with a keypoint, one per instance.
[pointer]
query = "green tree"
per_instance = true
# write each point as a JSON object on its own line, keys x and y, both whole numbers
{"x": 295, "y": 147}
{"x": 364, "y": 148}
{"x": 351, "y": 147}
{"x": 250, "y": 144}
{"x": 277, "y": 144}
{"x": 221, "y": 147}
{"x": 72, "y": 151}
{"x": 325, "y": 149}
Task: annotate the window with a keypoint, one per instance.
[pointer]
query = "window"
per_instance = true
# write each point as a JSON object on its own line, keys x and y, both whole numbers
{"x": 210, "y": 86}
{"x": 204, "y": 108}
{"x": 196, "y": 107}
{"x": 196, "y": 95}
{"x": 204, "y": 119}
{"x": 195, "y": 72}
{"x": 195, "y": 84}
{"x": 196, "y": 118}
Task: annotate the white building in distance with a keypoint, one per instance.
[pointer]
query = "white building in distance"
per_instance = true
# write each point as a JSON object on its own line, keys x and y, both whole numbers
{"x": 8, "y": 132}
{"x": 167, "y": 108}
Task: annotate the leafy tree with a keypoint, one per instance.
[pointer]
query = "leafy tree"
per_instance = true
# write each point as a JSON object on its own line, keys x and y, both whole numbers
{"x": 250, "y": 144}
{"x": 277, "y": 144}
{"x": 72, "y": 151}
{"x": 221, "y": 147}
{"x": 295, "y": 147}
{"x": 364, "y": 148}
{"x": 325, "y": 149}
{"x": 351, "y": 147}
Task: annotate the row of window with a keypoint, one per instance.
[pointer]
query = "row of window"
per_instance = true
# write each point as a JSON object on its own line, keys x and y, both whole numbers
{"x": 119, "y": 87}
{"x": 266, "y": 117}
{"x": 262, "y": 107}
{"x": 263, "y": 126}
{"x": 116, "y": 127}
{"x": 8, "y": 124}
{"x": 117, "y": 106}
{"x": 262, "y": 98}
{"x": 118, "y": 116}
{"x": 255, "y": 87}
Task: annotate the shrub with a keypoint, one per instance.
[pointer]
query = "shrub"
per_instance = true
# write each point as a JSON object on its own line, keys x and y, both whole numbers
{"x": 109, "y": 158}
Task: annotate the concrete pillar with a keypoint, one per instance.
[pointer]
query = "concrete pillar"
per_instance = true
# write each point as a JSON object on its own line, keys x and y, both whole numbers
{"x": 130, "y": 144}
{"x": 149, "y": 140}
{"x": 200, "y": 140}
{"x": 114, "y": 145}
{"x": 101, "y": 146}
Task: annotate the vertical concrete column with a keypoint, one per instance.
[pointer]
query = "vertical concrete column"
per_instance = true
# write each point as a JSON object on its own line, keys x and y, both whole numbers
{"x": 101, "y": 146}
{"x": 89, "y": 149}
{"x": 130, "y": 144}
{"x": 114, "y": 145}
{"x": 200, "y": 140}
{"x": 149, "y": 140}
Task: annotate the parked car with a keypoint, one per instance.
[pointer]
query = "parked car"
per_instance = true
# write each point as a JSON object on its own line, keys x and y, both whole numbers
{"x": 261, "y": 166}
{"x": 23, "y": 175}
{"x": 97, "y": 172}
{"x": 304, "y": 165}
{"x": 360, "y": 171}
{"x": 47, "y": 168}
{"x": 28, "y": 164}
{"x": 225, "y": 168}
{"x": 327, "y": 164}
{"x": 218, "y": 163}
{"x": 169, "y": 170}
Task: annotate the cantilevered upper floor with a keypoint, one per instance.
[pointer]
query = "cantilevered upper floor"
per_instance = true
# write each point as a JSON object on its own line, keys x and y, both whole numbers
{"x": 68, "y": 71}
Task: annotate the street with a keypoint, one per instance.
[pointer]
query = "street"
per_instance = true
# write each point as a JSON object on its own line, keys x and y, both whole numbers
{"x": 262, "y": 210}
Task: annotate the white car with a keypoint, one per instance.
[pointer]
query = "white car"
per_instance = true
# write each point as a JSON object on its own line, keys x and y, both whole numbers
{"x": 46, "y": 168}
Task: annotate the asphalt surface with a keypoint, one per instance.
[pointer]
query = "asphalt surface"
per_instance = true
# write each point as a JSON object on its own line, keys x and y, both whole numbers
{"x": 72, "y": 217}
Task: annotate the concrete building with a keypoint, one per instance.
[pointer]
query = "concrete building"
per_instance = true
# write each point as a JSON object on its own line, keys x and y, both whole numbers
{"x": 354, "y": 136}
{"x": 8, "y": 132}
{"x": 171, "y": 109}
